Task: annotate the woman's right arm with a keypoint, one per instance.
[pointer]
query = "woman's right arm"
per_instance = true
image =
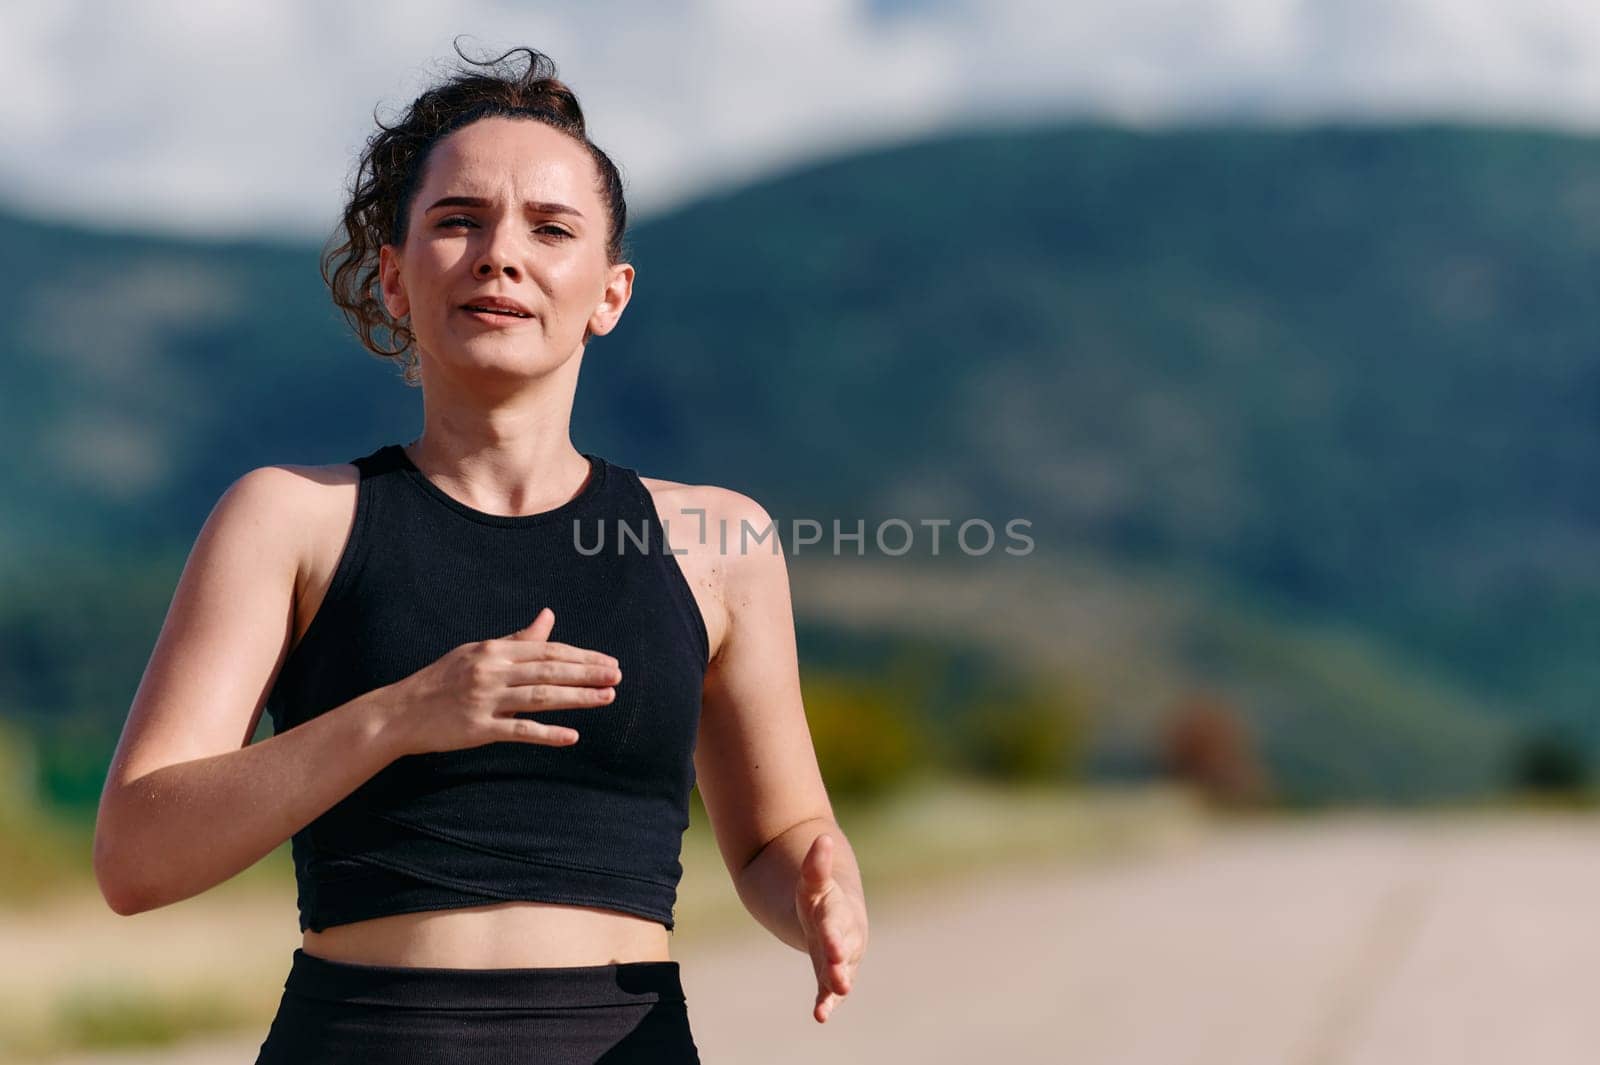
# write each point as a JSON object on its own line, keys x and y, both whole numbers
{"x": 188, "y": 800}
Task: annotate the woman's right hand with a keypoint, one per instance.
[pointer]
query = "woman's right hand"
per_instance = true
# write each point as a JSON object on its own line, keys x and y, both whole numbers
{"x": 468, "y": 696}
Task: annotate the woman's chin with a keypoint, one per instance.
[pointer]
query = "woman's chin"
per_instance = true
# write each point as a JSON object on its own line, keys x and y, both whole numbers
{"x": 502, "y": 356}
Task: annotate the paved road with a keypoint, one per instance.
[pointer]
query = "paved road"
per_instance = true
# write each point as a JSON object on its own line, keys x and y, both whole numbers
{"x": 1355, "y": 941}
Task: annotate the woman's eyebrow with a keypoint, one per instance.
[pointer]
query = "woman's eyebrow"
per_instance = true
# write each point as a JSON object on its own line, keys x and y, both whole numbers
{"x": 534, "y": 206}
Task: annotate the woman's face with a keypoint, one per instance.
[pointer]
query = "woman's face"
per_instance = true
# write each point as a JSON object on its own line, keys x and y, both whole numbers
{"x": 507, "y": 208}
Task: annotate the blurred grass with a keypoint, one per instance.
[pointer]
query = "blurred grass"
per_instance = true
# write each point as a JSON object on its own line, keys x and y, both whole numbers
{"x": 216, "y": 963}
{"x": 38, "y": 854}
{"x": 125, "y": 1015}
{"x": 39, "y": 850}
{"x": 938, "y": 827}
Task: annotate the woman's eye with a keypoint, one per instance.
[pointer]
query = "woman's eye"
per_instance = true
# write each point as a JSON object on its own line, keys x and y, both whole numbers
{"x": 457, "y": 221}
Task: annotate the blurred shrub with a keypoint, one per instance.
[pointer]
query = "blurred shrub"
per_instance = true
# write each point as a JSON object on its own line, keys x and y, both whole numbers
{"x": 1550, "y": 763}
{"x": 74, "y": 755}
{"x": 19, "y": 769}
{"x": 37, "y": 851}
{"x": 116, "y": 1016}
{"x": 865, "y": 731}
{"x": 1021, "y": 730}
{"x": 1206, "y": 742}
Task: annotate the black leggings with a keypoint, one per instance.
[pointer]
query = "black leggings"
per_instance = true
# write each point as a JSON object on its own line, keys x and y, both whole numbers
{"x": 334, "y": 1011}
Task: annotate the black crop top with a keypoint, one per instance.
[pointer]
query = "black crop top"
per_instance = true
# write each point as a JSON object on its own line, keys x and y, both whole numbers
{"x": 597, "y": 823}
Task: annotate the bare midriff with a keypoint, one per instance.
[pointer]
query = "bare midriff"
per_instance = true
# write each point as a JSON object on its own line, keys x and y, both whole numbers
{"x": 501, "y": 935}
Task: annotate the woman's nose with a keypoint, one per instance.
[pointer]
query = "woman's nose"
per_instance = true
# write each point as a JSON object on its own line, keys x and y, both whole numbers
{"x": 490, "y": 265}
{"x": 496, "y": 258}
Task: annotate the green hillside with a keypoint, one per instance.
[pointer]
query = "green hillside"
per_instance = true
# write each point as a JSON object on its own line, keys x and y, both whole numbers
{"x": 1350, "y": 375}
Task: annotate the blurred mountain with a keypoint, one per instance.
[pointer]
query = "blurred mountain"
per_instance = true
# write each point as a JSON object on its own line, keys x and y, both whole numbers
{"x": 1349, "y": 375}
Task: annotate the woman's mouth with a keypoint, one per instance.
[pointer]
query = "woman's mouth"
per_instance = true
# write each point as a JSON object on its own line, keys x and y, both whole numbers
{"x": 495, "y": 315}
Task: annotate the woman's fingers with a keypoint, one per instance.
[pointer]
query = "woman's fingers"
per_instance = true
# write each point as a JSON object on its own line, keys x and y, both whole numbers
{"x": 526, "y": 672}
{"x": 560, "y": 683}
{"x": 526, "y": 730}
{"x": 537, "y": 630}
{"x": 549, "y": 651}
{"x": 835, "y": 928}
{"x": 816, "y": 869}
{"x": 826, "y": 1000}
{"x": 833, "y": 983}
{"x": 834, "y": 949}
{"x": 572, "y": 674}
{"x": 528, "y": 698}
{"x": 835, "y": 959}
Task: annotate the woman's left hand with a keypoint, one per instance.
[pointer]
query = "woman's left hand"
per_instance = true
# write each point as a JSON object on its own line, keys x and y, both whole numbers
{"x": 835, "y": 926}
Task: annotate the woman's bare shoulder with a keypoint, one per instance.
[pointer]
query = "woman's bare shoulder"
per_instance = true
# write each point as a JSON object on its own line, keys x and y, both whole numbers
{"x": 325, "y": 474}
{"x": 300, "y": 498}
{"x": 716, "y": 506}
{"x": 705, "y": 526}
{"x": 311, "y": 509}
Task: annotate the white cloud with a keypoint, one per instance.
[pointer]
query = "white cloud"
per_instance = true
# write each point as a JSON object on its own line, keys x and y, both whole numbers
{"x": 245, "y": 117}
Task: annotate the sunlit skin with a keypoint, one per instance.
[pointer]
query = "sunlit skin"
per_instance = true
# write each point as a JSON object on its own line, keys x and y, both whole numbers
{"x": 835, "y": 924}
{"x": 535, "y": 232}
{"x": 538, "y": 237}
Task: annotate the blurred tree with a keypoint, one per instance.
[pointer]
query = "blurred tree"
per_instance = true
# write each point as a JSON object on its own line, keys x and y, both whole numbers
{"x": 37, "y": 852}
{"x": 19, "y": 769}
{"x": 1024, "y": 730}
{"x": 1205, "y": 742}
{"x": 1548, "y": 762}
{"x": 865, "y": 732}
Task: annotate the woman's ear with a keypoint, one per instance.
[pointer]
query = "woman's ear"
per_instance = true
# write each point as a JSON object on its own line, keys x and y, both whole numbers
{"x": 394, "y": 292}
{"x": 618, "y": 290}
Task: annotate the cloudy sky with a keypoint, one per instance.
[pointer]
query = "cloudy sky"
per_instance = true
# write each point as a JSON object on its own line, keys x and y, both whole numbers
{"x": 237, "y": 116}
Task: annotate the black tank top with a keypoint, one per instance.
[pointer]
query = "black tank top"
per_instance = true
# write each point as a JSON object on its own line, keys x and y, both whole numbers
{"x": 596, "y": 823}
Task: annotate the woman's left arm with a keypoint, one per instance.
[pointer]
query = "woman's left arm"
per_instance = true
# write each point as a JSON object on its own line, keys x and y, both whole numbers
{"x": 757, "y": 769}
